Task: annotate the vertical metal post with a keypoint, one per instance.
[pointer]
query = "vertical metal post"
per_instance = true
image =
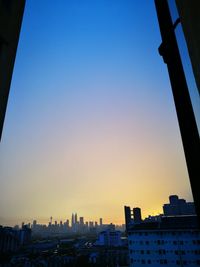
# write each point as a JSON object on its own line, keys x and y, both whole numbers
{"x": 188, "y": 128}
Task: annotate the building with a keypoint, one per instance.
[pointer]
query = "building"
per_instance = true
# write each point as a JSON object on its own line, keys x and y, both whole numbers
{"x": 91, "y": 224}
{"x": 75, "y": 218}
{"x": 171, "y": 239}
{"x": 81, "y": 221}
{"x": 137, "y": 215}
{"x": 109, "y": 238}
{"x": 11, "y": 239}
{"x": 174, "y": 241}
{"x": 178, "y": 206}
{"x": 128, "y": 218}
{"x": 110, "y": 256}
{"x": 25, "y": 235}
{"x": 72, "y": 221}
{"x": 132, "y": 216}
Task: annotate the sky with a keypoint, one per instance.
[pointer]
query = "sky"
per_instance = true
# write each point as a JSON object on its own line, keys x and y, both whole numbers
{"x": 90, "y": 124}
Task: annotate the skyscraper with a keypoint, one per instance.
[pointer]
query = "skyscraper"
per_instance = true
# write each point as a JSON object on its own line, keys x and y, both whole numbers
{"x": 100, "y": 221}
{"x": 72, "y": 220}
{"x": 81, "y": 221}
{"x": 75, "y": 218}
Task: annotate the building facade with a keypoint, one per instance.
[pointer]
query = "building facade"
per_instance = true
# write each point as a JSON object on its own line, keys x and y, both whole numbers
{"x": 110, "y": 238}
{"x": 178, "y": 206}
{"x": 11, "y": 239}
{"x": 174, "y": 241}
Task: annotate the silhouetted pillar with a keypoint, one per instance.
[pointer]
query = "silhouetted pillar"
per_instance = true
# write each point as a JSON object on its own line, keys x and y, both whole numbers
{"x": 127, "y": 212}
{"x": 137, "y": 215}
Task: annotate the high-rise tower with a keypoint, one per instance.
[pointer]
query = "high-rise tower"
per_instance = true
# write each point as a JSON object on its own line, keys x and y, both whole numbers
{"x": 72, "y": 220}
{"x": 75, "y": 218}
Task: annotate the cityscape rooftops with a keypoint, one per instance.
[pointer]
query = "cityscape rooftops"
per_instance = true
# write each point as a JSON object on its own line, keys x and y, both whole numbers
{"x": 168, "y": 222}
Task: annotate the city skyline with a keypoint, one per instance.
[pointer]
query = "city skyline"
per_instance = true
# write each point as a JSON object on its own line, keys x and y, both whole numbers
{"x": 75, "y": 218}
{"x": 67, "y": 219}
{"x": 176, "y": 206}
{"x": 90, "y": 123}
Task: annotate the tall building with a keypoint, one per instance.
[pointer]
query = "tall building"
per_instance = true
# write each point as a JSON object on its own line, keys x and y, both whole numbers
{"x": 81, "y": 221}
{"x": 128, "y": 218}
{"x": 25, "y": 235}
{"x": 137, "y": 215}
{"x": 12, "y": 239}
{"x": 34, "y": 225}
{"x": 174, "y": 241}
{"x": 177, "y": 206}
{"x": 100, "y": 221}
{"x": 91, "y": 224}
{"x": 132, "y": 216}
{"x": 72, "y": 220}
{"x": 110, "y": 238}
{"x": 9, "y": 240}
{"x": 75, "y": 218}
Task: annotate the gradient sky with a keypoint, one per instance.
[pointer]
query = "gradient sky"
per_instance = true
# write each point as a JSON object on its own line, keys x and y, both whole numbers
{"x": 90, "y": 124}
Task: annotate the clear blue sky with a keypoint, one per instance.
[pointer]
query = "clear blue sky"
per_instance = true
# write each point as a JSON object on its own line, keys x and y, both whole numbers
{"x": 91, "y": 123}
